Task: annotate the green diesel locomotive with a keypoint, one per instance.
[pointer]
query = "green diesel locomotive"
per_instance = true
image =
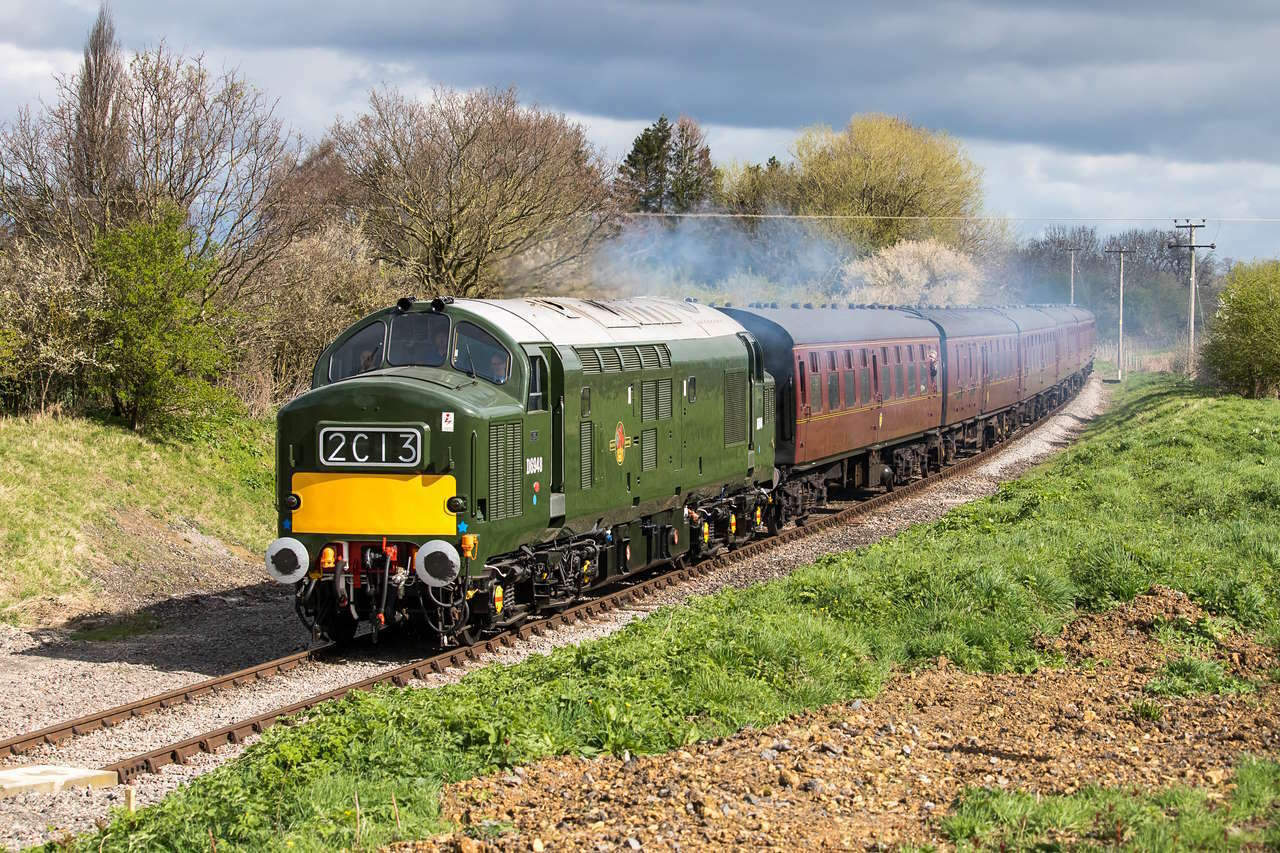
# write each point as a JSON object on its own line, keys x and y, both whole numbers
{"x": 459, "y": 465}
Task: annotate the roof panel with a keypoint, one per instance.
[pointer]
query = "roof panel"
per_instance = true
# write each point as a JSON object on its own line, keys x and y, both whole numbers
{"x": 570, "y": 322}
{"x": 970, "y": 322}
{"x": 837, "y": 325}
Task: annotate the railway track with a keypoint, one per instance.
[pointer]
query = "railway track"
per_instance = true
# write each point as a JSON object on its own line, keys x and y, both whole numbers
{"x": 631, "y": 594}
{"x": 59, "y": 732}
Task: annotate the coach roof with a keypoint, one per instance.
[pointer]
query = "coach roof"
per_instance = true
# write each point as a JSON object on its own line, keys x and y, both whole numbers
{"x": 808, "y": 326}
{"x": 970, "y": 322}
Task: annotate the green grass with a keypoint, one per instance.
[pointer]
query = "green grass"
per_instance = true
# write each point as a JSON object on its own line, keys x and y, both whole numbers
{"x": 64, "y": 483}
{"x": 1171, "y": 486}
{"x": 1178, "y": 818}
{"x": 1149, "y": 711}
{"x": 1189, "y": 676}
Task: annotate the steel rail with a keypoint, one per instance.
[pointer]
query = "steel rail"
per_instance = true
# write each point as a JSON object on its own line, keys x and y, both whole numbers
{"x": 209, "y": 742}
{"x": 59, "y": 732}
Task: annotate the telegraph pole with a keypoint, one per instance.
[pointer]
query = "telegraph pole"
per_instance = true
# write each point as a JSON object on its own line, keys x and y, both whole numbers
{"x": 1120, "y": 345}
{"x": 1191, "y": 310}
{"x": 1072, "y": 250}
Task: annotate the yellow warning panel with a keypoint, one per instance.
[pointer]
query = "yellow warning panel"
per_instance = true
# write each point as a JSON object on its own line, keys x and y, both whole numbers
{"x": 374, "y": 504}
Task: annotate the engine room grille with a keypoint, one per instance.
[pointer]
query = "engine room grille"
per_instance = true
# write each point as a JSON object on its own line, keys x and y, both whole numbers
{"x": 664, "y": 399}
{"x": 618, "y": 359}
{"x": 649, "y": 400}
{"x": 506, "y": 477}
{"x": 590, "y": 360}
{"x": 586, "y": 455}
{"x": 770, "y": 404}
{"x": 649, "y": 449}
{"x": 735, "y": 407}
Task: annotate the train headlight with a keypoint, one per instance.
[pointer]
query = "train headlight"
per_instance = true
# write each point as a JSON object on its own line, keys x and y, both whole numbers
{"x": 455, "y": 504}
{"x": 437, "y": 563}
{"x": 287, "y": 560}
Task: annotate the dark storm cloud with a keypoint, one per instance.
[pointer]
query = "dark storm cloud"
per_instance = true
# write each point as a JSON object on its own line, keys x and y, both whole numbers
{"x": 1161, "y": 78}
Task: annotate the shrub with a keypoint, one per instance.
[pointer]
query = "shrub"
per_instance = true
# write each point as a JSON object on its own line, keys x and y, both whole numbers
{"x": 1242, "y": 353}
{"x": 160, "y": 353}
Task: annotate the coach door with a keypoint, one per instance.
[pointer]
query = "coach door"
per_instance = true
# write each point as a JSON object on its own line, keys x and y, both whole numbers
{"x": 877, "y": 390}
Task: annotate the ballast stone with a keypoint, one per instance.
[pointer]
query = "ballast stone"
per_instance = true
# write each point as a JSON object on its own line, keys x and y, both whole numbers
{"x": 50, "y": 779}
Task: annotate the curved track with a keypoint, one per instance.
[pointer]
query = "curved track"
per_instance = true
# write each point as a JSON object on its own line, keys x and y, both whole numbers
{"x": 178, "y": 753}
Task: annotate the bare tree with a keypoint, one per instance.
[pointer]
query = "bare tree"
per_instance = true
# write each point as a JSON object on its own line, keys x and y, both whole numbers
{"x": 119, "y": 141}
{"x": 690, "y": 174}
{"x": 98, "y": 137}
{"x": 469, "y": 189}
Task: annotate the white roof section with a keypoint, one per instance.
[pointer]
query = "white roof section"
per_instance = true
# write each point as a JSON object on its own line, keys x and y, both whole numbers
{"x": 595, "y": 322}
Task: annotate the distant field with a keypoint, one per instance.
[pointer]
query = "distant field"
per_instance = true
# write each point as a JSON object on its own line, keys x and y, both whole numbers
{"x": 92, "y": 514}
{"x": 1170, "y": 486}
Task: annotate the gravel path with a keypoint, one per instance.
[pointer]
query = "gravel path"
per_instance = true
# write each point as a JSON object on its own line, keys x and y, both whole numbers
{"x": 249, "y": 631}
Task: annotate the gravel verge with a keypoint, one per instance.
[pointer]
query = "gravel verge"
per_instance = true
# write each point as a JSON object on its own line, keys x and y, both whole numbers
{"x": 36, "y": 818}
{"x": 877, "y": 774}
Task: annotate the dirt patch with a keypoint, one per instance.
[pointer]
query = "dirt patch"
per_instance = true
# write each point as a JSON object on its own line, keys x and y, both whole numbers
{"x": 883, "y": 770}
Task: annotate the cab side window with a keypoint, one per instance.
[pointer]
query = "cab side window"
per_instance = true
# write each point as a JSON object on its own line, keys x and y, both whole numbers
{"x": 537, "y": 401}
{"x": 478, "y": 353}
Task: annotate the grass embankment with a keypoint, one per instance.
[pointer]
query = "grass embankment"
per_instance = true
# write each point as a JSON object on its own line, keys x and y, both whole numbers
{"x": 72, "y": 489}
{"x": 1170, "y": 486}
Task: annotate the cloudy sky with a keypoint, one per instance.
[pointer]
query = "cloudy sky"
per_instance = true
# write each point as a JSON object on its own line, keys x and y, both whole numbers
{"x": 1097, "y": 110}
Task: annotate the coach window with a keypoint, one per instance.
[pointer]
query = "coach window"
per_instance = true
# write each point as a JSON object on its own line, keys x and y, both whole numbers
{"x": 360, "y": 353}
{"x": 817, "y": 390}
{"x": 913, "y": 387}
{"x": 804, "y": 386}
{"x": 897, "y": 381}
{"x": 831, "y": 361}
{"x": 813, "y": 362}
{"x": 848, "y": 359}
{"x": 586, "y": 402}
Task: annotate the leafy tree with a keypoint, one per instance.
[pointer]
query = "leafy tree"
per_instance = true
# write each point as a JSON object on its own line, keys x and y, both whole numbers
{"x": 880, "y": 165}
{"x": 668, "y": 169}
{"x": 690, "y": 177}
{"x": 642, "y": 177}
{"x": 754, "y": 188}
{"x": 1243, "y": 350}
{"x": 160, "y": 353}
